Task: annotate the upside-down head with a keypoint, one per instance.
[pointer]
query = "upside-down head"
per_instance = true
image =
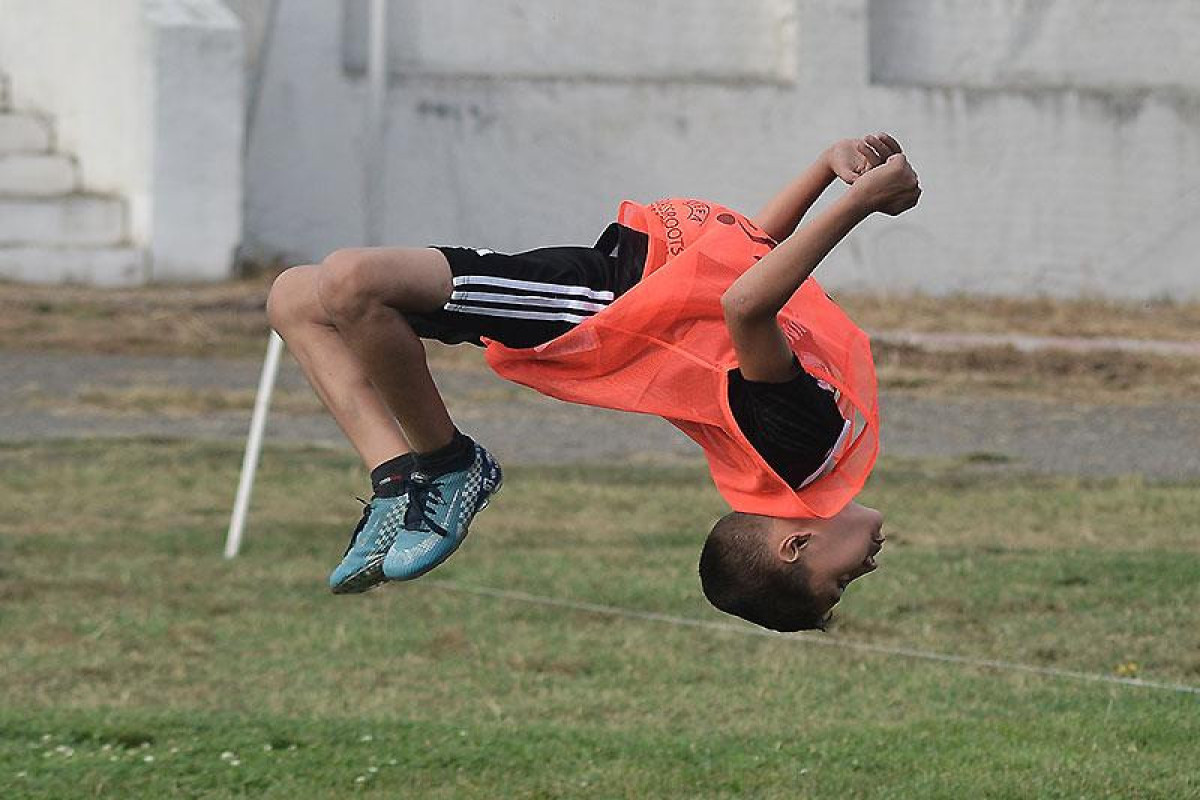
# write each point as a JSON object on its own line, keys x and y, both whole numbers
{"x": 787, "y": 574}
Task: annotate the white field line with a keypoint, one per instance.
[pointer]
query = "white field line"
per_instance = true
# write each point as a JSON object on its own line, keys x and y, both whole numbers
{"x": 814, "y": 639}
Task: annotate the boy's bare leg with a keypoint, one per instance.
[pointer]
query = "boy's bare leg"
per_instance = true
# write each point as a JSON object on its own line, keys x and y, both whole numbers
{"x": 344, "y": 321}
{"x": 365, "y": 292}
{"x": 355, "y": 283}
{"x": 332, "y": 369}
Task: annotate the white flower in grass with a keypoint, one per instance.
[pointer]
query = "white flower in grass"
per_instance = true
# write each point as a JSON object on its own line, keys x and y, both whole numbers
{"x": 361, "y": 779}
{"x": 227, "y": 755}
{"x": 366, "y": 737}
{"x": 393, "y": 761}
{"x": 372, "y": 770}
{"x": 267, "y": 747}
{"x": 148, "y": 759}
{"x": 46, "y": 737}
{"x": 234, "y": 762}
{"x": 21, "y": 774}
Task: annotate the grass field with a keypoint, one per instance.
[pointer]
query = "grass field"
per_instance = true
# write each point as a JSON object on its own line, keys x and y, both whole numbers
{"x": 138, "y": 663}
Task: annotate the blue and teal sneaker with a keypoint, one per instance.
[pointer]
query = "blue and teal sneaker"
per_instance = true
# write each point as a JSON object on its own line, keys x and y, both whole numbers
{"x": 362, "y": 564}
{"x": 440, "y": 509}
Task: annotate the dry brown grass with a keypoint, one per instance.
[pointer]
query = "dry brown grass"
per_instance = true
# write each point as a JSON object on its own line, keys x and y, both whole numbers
{"x": 228, "y": 319}
{"x": 1086, "y": 317}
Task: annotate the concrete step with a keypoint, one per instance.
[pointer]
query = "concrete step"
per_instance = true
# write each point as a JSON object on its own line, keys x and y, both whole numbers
{"x": 95, "y": 266}
{"x": 70, "y": 220}
{"x": 23, "y": 133}
{"x": 36, "y": 174}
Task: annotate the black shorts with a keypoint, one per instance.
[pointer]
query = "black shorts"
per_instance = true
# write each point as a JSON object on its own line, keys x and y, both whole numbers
{"x": 527, "y": 299}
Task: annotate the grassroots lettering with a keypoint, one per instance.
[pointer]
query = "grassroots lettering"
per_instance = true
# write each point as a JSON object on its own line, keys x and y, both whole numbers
{"x": 669, "y": 216}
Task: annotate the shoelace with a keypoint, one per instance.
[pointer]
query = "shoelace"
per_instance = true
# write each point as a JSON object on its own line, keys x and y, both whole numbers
{"x": 421, "y": 490}
{"x": 362, "y": 523}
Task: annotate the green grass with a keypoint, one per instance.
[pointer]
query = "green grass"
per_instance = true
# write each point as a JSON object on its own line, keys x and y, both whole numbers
{"x": 138, "y": 663}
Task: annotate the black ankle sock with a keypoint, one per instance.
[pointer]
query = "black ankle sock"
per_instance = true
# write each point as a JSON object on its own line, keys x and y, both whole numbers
{"x": 387, "y": 478}
{"x": 455, "y": 456}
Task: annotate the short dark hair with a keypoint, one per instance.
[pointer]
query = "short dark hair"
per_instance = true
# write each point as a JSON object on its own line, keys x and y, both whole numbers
{"x": 739, "y": 577}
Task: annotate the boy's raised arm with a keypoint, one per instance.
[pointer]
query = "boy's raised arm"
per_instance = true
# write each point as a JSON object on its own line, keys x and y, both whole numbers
{"x": 756, "y": 297}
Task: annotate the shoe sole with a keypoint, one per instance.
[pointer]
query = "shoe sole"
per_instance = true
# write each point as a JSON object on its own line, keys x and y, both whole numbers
{"x": 369, "y": 577}
{"x": 366, "y": 578}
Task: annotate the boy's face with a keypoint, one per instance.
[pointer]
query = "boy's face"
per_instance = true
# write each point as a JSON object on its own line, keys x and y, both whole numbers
{"x": 834, "y": 551}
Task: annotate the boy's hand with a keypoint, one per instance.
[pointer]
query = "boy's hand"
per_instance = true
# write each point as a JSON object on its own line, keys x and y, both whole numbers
{"x": 850, "y": 159}
{"x": 892, "y": 188}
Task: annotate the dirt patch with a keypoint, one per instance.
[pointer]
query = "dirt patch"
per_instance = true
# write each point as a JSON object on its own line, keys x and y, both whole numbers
{"x": 1102, "y": 376}
{"x": 170, "y": 401}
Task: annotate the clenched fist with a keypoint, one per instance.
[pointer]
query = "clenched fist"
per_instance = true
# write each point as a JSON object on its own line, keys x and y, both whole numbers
{"x": 850, "y": 159}
{"x": 892, "y": 187}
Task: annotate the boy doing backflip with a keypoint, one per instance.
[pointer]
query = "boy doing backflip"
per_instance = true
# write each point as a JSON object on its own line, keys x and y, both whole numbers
{"x": 684, "y": 309}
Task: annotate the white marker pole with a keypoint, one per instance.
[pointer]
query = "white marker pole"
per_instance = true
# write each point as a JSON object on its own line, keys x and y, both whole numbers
{"x": 258, "y": 421}
{"x": 373, "y": 161}
{"x": 374, "y": 124}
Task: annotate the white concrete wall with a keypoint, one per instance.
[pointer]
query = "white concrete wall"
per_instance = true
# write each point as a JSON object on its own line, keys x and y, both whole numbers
{"x": 147, "y": 94}
{"x": 1081, "y": 44}
{"x": 1044, "y": 173}
{"x": 86, "y": 65}
{"x": 198, "y": 132}
{"x": 459, "y": 38}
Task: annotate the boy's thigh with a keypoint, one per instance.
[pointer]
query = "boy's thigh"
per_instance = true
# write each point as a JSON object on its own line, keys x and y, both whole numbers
{"x": 407, "y": 278}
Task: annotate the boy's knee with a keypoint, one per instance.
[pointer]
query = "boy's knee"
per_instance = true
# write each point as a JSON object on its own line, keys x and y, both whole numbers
{"x": 293, "y": 298}
{"x": 342, "y": 284}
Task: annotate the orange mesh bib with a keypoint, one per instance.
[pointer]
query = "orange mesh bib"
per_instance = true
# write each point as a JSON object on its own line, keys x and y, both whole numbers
{"x": 662, "y": 348}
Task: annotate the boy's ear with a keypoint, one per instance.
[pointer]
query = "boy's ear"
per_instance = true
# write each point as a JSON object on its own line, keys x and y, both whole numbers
{"x": 792, "y": 545}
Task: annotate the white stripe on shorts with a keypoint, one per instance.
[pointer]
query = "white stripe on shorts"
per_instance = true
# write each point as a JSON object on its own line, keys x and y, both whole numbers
{"x": 549, "y": 316}
{"x": 528, "y": 300}
{"x": 533, "y": 286}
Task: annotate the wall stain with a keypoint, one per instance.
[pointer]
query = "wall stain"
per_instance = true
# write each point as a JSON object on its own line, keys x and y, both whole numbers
{"x": 441, "y": 110}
